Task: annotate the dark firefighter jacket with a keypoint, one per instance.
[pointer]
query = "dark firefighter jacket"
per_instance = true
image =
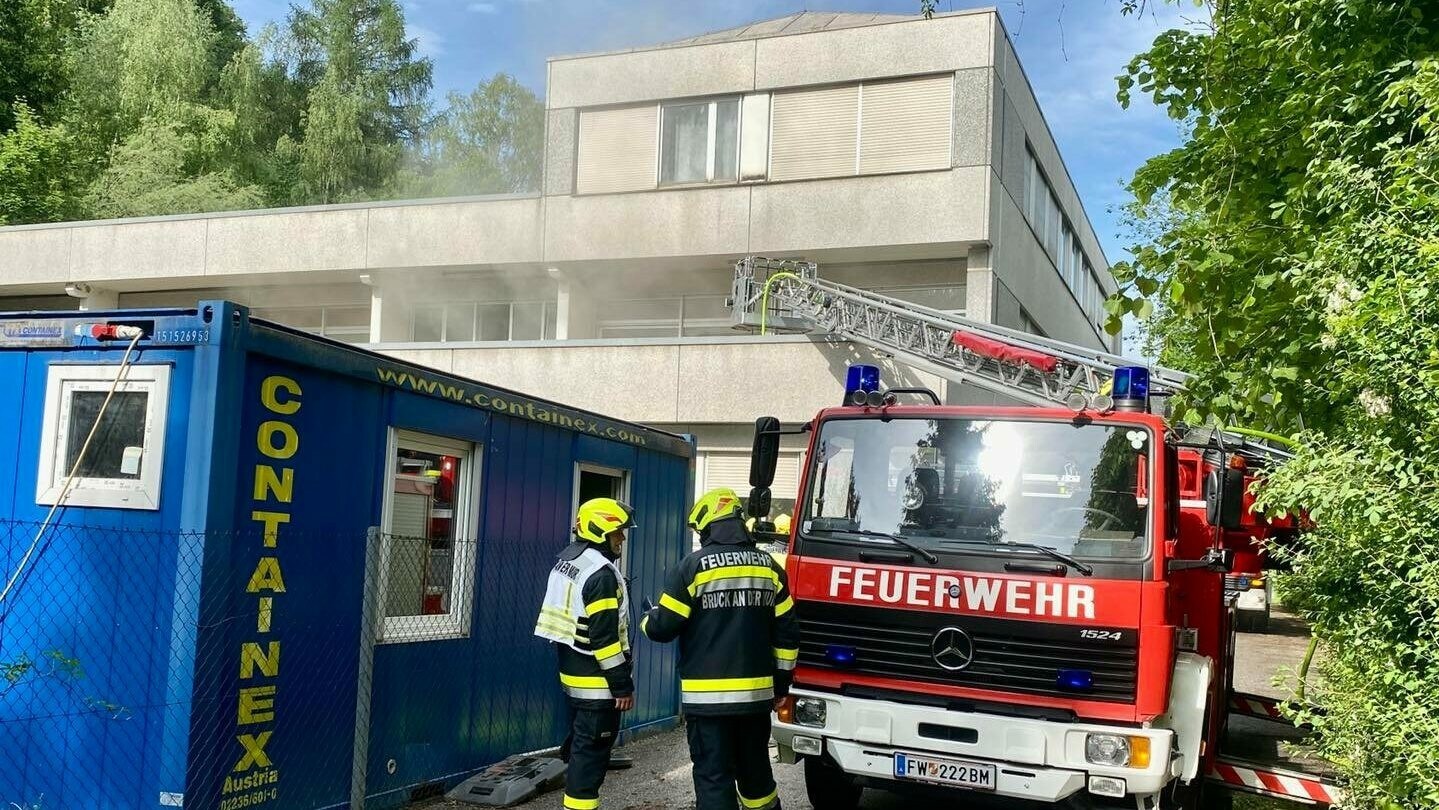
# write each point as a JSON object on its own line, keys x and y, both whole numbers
{"x": 584, "y": 613}
{"x": 729, "y": 605}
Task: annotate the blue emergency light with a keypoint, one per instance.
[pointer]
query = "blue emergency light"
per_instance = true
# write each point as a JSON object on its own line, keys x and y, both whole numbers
{"x": 1075, "y": 680}
{"x": 838, "y": 655}
{"x": 1130, "y": 388}
{"x": 861, "y": 385}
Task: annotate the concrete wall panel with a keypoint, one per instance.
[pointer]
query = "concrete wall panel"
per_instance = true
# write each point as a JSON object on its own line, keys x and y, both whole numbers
{"x": 656, "y": 383}
{"x": 939, "y": 45}
{"x": 900, "y": 209}
{"x": 298, "y": 241}
{"x": 1013, "y": 158}
{"x": 619, "y": 78}
{"x": 645, "y": 390}
{"x": 478, "y": 232}
{"x": 693, "y": 222}
{"x": 34, "y": 255}
{"x": 561, "y": 129}
{"x": 973, "y": 116}
{"x": 138, "y": 250}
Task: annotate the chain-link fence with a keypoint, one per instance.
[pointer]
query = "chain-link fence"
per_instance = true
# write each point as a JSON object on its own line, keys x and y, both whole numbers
{"x": 245, "y": 669}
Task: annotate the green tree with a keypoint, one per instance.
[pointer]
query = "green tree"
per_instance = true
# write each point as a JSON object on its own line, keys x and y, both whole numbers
{"x": 488, "y": 141}
{"x": 167, "y": 168}
{"x": 33, "y": 38}
{"x": 1293, "y": 266}
{"x": 147, "y": 99}
{"x": 141, "y": 59}
{"x": 366, "y": 89}
{"x": 38, "y": 175}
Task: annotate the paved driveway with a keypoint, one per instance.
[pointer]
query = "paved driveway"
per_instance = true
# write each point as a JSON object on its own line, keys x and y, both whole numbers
{"x": 660, "y": 779}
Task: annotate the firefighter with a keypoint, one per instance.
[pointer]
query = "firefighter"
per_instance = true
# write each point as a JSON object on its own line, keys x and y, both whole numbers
{"x": 728, "y": 604}
{"x": 585, "y": 614}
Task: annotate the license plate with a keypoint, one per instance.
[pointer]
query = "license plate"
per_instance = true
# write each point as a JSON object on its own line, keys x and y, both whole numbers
{"x": 945, "y": 771}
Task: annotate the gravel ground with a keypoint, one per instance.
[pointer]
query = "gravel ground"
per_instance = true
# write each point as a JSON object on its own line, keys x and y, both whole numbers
{"x": 660, "y": 778}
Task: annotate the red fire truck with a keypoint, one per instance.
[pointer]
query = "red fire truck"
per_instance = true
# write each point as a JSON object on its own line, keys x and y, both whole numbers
{"x": 1024, "y": 601}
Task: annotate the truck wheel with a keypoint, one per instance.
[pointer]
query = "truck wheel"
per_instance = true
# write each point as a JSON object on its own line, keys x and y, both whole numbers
{"x": 1198, "y": 796}
{"x": 828, "y": 787}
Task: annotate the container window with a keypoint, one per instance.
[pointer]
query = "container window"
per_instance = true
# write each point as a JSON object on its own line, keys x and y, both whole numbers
{"x": 595, "y": 481}
{"x": 426, "y": 576}
{"x": 120, "y": 467}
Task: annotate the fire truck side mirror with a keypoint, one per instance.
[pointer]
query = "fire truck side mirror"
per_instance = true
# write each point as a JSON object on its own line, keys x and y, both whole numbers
{"x": 757, "y": 505}
{"x": 1224, "y": 498}
{"x": 764, "y": 458}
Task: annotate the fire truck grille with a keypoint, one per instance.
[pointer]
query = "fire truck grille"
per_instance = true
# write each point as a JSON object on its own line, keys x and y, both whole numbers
{"x": 1010, "y": 656}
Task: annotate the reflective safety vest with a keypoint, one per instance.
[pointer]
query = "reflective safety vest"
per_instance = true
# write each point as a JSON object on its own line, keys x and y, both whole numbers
{"x": 585, "y": 611}
{"x": 728, "y": 605}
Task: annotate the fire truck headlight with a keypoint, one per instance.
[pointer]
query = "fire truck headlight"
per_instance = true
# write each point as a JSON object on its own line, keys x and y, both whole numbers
{"x": 810, "y": 712}
{"x": 1117, "y": 750}
{"x": 1107, "y": 749}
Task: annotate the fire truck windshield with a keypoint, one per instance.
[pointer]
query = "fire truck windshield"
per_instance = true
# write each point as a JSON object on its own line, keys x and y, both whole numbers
{"x": 957, "y": 485}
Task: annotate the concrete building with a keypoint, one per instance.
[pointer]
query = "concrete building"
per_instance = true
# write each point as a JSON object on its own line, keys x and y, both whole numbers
{"x": 902, "y": 154}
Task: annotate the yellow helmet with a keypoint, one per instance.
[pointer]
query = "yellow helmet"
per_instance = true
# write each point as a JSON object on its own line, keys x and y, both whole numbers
{"x": 718, "y": 503}
{"x": 598, "y": 517}
{"x": 781, "y": 524}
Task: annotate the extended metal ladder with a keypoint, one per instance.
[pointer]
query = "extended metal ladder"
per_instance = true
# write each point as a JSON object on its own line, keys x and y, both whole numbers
{"x": 789, "y": 296}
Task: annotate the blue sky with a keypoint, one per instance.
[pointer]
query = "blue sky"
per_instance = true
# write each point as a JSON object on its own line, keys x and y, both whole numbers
{"x": 1071, "y": 51}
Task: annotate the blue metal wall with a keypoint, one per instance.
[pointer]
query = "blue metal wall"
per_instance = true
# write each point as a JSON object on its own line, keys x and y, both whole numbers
{"x": 339, "y": 427}
{"x": 162, "y": 626}
{"x": 497, "y": 692}
{"x": 99, "y": 590}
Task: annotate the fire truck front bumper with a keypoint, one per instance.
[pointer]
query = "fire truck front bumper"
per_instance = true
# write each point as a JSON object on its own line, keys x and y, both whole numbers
{"x": 1014, "y": 757}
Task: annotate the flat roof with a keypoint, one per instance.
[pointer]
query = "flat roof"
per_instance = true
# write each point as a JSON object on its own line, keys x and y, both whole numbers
{"x": 804, "y": 22}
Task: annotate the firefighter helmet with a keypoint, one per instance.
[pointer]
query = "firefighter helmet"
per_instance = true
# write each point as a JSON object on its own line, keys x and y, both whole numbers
{"x": 782, "y": 523}
{"x": 598, "y": 517}
{"x": 718, "y": 503}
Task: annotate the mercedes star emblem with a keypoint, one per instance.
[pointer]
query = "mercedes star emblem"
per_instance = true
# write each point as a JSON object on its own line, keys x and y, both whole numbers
{"x": 952, "y": 649}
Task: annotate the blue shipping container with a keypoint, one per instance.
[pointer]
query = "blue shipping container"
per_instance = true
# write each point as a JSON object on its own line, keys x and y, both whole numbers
{"x": 287, "y": 572}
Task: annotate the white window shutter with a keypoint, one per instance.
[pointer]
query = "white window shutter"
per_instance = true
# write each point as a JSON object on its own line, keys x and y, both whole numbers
{"x": 617, "y": 150}
{"x": 732, "y": 470}
{"x": 906, "y": 125}
{"x": 814, "y": 133}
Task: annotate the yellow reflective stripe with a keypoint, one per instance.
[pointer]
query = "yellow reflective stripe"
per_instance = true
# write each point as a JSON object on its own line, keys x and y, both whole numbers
{"x": 730, "y": 571}
{"x": 571, "y": 803}
{"x": 605, "y": 652}
{"x": 602, "y": 604}
{"x": 786, "y": 655}
{"x": 757, "y": 804}
{"x": 645, "y": 624}
{"x": 726, "y": 684}
{"x": 584, "y": 681}
{"x": 674, "y": 604}
{"x": 784, "y": 607}
{"x": 567, "y": 632}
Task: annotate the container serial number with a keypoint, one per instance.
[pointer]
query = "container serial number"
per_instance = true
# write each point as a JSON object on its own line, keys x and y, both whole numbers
{"x": 182, "y": 336}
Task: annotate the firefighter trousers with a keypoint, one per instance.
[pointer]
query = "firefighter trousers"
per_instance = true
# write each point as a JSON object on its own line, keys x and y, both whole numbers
{"x": 592, "y": 735}
{"x": 731, "y": 759}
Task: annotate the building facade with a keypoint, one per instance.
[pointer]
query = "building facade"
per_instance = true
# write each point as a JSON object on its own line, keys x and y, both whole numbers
{"x": 902, "y": 154}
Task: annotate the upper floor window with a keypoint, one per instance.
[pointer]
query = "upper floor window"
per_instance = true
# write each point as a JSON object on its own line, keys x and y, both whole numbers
{"x": 879, "y": 127}
{"x": 1060, "y": 240}
{"x": 699, "y": 142}
{"x": 468, "y": 321}
{"x": 345, "y": 322}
